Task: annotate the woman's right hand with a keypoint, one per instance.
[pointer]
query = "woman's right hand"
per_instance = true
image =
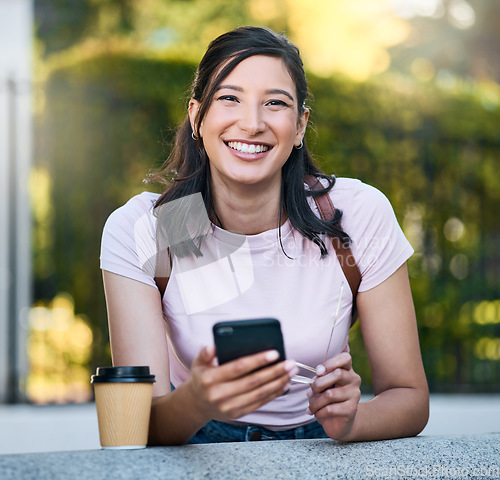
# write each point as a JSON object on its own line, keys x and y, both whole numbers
{"x": 235, "y": 389}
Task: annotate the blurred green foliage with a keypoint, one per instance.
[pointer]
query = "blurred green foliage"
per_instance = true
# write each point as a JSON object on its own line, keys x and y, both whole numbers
{"x": 433, "y": 150}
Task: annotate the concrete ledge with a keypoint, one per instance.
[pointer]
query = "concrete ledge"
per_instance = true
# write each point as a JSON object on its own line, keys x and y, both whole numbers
{"x": 56, "y": 428}
{"x": 446, "y": 457}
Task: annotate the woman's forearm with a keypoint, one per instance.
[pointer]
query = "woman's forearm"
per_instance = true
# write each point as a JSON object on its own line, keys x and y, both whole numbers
{"x": 174, "y": 418}
{"x": 394, "y": 413}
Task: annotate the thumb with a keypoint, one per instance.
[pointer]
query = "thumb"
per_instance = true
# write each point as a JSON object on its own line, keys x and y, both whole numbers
{"x": 206, "y": 356}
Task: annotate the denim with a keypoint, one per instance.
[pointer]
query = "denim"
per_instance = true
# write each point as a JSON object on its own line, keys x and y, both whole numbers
{"x": 217, "y": 432}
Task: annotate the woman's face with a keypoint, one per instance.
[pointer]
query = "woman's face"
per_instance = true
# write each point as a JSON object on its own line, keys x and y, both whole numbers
{"x": 252, "y": 123}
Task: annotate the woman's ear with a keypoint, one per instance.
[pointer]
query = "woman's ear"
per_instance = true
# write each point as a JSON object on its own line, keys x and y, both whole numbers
{"x": 301, "y": 127}
{"x": 193, "y": 108}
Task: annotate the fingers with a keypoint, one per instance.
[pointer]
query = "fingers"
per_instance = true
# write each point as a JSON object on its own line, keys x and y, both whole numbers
{"x": 240, "y": 386}
{"x": 338, "y": 400}
{"x": 235, "y": 369}
{"x": 252, "y": 385}
{"x": 335, "y": 392}
{"x": 334, "y": 372}
{"x": 247, "y": 364}
{"x": 257, "y": 389}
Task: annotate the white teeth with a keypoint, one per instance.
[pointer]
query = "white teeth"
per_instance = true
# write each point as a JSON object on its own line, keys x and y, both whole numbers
{"x": 248, "y": 148}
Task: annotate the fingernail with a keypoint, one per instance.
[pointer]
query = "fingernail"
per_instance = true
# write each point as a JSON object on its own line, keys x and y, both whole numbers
{"x": 272, "y": 355}
{"x": 308, "y": 411}
{"x": 320, "y": 370}
{"x": 309, "y": 393}
{"x": 290, "y": 366}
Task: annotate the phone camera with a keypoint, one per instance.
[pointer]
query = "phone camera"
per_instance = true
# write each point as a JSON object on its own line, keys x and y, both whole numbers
{"x": 224, "y": 331}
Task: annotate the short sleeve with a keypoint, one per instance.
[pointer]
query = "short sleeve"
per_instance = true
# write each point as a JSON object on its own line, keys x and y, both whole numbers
{"x": 379, "y": 245}
{"x": 128, "y": 245}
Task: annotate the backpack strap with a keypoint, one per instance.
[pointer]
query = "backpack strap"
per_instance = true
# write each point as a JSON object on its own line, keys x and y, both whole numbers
{"x": 344, "y": 253}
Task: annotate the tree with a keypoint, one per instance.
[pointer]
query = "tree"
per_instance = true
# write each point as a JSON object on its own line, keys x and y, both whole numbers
{"x": 458, "y": 37}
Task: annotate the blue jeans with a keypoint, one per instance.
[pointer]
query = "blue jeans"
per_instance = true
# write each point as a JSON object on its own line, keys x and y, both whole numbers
{"x": 216, "y": 432}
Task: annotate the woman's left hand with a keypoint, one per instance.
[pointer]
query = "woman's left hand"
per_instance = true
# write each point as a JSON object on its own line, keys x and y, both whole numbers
{"x": 334, "y": 396}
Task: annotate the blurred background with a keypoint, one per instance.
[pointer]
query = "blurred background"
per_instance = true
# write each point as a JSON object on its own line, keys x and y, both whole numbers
{"x": 405, "y": 96}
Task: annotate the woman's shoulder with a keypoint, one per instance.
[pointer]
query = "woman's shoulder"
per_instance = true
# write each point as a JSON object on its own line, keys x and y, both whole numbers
{"x": 354, "y": 189}
{"x": 128, "y": 245}
{"x": 140, "y": 203}
{"x": 137, "y": 207}
{"x": 354, "y": 196}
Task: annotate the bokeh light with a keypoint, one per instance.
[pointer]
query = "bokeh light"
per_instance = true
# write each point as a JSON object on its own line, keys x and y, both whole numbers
{"x": 59, "y": 352}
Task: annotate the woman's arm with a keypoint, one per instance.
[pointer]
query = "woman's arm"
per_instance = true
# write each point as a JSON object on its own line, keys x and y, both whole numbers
{"x": 400, "y": 407}
{"x": 138, "y": 337}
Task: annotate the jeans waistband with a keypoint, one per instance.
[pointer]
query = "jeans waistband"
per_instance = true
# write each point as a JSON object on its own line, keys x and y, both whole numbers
{"x": 216, "y": 432}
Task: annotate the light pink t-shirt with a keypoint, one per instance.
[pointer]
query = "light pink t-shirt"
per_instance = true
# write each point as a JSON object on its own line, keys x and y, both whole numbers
{"x": 243, "y": 277}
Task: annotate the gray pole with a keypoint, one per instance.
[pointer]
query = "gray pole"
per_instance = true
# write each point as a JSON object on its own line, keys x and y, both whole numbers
{"x": 12, "y": 351}
{"x": 16, "y": 27}
{"x": 4, "y": 242}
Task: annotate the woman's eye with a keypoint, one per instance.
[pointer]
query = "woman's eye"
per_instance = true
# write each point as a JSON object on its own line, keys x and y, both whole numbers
{"x": 277, "y": 103}
{"x": 228, "y": 98}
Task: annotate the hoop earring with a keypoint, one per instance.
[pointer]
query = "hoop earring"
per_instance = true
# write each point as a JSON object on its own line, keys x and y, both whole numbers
{"x": 301, "y": 145}
{"x": 193, "y": 136}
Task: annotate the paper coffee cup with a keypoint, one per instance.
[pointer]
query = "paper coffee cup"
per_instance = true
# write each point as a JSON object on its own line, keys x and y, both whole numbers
{"x": 123, "y": 398}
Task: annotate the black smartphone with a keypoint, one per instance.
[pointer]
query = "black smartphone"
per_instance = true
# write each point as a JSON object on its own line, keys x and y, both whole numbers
{"x": 237, "y": 338}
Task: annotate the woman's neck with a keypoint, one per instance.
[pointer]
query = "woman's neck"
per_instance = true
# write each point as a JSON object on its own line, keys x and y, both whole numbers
{"x": 249, "y": 210}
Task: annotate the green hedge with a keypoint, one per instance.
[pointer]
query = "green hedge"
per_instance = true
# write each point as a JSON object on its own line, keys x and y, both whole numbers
{"x": 433, "y": 151}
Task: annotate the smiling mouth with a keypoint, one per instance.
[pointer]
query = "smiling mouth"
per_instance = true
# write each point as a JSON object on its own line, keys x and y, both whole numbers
{"x": 248, "y": 147}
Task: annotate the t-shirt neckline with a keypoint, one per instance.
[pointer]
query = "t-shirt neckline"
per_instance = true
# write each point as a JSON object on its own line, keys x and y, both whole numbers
{"x": 262, "y": 239}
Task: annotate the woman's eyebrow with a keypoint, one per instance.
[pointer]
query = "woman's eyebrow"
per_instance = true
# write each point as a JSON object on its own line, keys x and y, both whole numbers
{"x": 272, "y": 91}
{"x": 230, "y": 87}
{"x": 278, "y": 91}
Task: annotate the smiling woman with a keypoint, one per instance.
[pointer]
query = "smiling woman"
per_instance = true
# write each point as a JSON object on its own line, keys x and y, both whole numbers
{"x": 246, "y": 197}
{"x": 249, "y": 132}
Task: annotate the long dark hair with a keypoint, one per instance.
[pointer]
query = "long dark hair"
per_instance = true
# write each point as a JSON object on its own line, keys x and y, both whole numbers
{"x": 188, "y": 159}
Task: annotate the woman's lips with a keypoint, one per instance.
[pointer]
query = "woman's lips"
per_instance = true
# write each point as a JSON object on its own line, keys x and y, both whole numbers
{"x": 244, "y": 147}
{"x": 248, "y": 151}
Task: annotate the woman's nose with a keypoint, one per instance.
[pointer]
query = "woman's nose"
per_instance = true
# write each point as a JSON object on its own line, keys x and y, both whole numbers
{"x": 252, "y": 119}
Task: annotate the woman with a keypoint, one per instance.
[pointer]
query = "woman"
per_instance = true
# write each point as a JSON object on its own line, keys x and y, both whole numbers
{"x": 238, "y": 236}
